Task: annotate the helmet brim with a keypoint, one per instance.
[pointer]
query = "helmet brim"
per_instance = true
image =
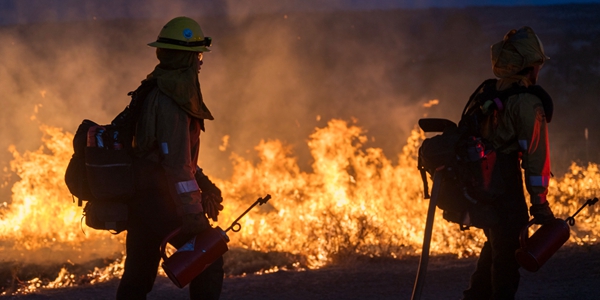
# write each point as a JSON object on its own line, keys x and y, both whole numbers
{"x": 178, "y": 47}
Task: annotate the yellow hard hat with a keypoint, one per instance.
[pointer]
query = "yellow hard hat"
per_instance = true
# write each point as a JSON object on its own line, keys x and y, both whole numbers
{"x": 182, "y": 33}
{"x": 518, "y": 50}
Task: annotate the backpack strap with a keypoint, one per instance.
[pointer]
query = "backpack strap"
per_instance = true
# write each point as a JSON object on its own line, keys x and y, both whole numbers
{"x": 535, "y": 90}
{"x": 128, "y": 118}
{"x": 139, "y": 95}
{"x": 483, "y": 85}
{"x": 132, "y": 111}
{"x": 423, "y": 172}
{"x": 488, "y": 90}
{"x": 472, "y": 113}
{"x": 547, "y": 102}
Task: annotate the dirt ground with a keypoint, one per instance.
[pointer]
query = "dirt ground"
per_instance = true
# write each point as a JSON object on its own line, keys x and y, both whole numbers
{"x": 572, "y": 273}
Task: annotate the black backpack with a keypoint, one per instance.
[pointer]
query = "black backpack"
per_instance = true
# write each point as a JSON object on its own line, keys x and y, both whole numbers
{"x": 465, "y": 159}
{"x": 101, "y": 168}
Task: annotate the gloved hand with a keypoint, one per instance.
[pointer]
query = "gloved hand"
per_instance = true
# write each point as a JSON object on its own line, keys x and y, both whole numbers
{"x": 211, "y": 204}
{"x": 541, "y": 213}
{"x": 211, "y": 195}
{"x": 193, "y": 224}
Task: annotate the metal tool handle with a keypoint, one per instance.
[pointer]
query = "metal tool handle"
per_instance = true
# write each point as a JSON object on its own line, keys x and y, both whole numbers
{"x": 235, "y": 226}
{"x": 424, "y": 260}
{"x": 571, "y": 220}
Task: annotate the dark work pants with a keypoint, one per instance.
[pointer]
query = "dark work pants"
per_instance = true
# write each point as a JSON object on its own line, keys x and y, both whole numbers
{"x": 497, "y": 273}
{"x": 142, "y": 262}
{"x": 151, "y": 219}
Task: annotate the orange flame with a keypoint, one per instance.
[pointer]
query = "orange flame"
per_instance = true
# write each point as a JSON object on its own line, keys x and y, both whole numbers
{"x": 355, "y": 200}
{"x": 41, "y": 214}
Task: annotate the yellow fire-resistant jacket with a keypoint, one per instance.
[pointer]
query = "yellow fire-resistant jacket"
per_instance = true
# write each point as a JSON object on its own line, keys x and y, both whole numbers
{"x": 521, "y": 126}
{"x": 165, "y": 133}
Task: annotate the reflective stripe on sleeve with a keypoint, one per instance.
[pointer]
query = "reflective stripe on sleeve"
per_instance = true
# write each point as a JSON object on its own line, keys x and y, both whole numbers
{"x": 186, "y": 186}
{"x": 164, "y": 147}
{"x": 523, "y": 144}
{"x": 539, "y": 180}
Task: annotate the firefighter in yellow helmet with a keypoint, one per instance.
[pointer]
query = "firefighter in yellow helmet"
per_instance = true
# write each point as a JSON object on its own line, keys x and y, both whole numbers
{"x": 518, "y": 132}
{"x": 171, "y": 190}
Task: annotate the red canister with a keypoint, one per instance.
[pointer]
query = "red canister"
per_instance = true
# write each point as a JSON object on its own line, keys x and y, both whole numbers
{"x": 195, "y": 256}
{"x": 538, "y": 248}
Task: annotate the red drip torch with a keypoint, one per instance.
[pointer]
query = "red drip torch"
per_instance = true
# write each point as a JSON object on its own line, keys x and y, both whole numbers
{"x": 199, "y": 252}
{"x": 538, "y": 248}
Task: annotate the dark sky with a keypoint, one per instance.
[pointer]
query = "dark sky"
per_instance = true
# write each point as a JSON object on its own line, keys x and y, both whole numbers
{"x": 34, "y": 11}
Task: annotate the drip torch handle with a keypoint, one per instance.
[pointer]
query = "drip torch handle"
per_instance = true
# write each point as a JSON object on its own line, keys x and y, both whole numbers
{"x": 235, "y": 226}
{"x": 525, "y": 234}
{"x": 571, "y": 220}
{"x": 163, "y": 245}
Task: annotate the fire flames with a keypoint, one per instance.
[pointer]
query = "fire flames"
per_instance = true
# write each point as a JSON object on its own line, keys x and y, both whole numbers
{"x": 354, "y": 201}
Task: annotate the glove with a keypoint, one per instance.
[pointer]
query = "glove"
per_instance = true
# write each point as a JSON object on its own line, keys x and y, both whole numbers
{"x": 193, "y": 224}
{"x": 211, "y": 195}
{"x": 211, "y": 204}
{"x": 541, "y": 213}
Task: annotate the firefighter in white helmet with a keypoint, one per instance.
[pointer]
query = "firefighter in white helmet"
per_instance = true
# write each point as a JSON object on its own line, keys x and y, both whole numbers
{"x": 519, "y": 134}
{"x": 171, "y": 191}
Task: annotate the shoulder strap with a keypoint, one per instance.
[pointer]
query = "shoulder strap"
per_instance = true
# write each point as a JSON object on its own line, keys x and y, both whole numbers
{"x": 471, "y": 116}
{"x": 126, "y": 121}
{"x": 486, "y": 84}
{"x": 546, "y": 101}
{"x": 132, "y": 111}
{"x": 499, "y": 97}
{"x": 535, "y": 90}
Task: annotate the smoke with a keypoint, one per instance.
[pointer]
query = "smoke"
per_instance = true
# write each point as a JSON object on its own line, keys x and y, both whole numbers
{"x": 272, "y": 77}
{"x": 57, "y": 75}
{"x": 284, "y": 76}
{"x": 275, "y": 71}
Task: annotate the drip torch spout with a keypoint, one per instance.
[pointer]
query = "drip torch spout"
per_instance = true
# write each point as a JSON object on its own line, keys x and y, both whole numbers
{"x": 571, "y": 220}
{"x": 235, "y": 226}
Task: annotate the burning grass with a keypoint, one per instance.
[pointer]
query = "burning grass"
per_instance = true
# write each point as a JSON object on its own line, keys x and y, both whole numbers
{"x": 354, "y": 202}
